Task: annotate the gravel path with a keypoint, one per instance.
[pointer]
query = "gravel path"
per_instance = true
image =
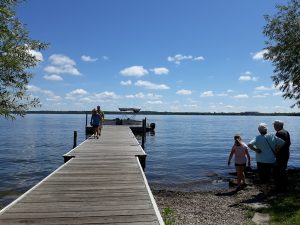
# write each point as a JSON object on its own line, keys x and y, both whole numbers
{"x": 223, "y": 207}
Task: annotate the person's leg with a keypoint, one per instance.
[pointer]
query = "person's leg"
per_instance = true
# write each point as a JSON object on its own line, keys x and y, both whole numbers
{"x": 95, "y": 131}
{"x": 238, "y": 174}
{"x": 100, "y": 128}
{"x": 243, "y": 175}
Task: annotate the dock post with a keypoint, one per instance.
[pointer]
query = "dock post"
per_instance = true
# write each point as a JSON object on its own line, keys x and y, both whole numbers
{"x": 75, "y": 139}
{"x": 86, "y": 119}
{"x": 144, "y": 133}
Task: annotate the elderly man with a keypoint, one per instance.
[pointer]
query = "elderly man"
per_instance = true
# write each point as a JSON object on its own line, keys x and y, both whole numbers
{"x": 265, "y": 145}
{"x": 282, "y": 156}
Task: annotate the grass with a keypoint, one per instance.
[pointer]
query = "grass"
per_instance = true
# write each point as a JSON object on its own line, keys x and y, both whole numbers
{"x": 285, "y": 210}
{"x": 168, "y": 216}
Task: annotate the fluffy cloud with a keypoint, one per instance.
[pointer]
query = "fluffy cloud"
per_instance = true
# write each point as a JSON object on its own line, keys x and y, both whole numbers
{"x": 135, "y": 71}
{"x": 247, "y": 76}
{"x": 87, "y": 58}
{"x": 207, "y": 94}
{"x": 264, "y": 88}
{"x": 199, "y": 58}
{"x": 179, "y": 57}
{"x": 259, "y": 55}
{"x": 126, "y": 83}
{"x": 279, "y": 93}
{"x": 61, "y": 64}
{"x": 155, "y": 102}
{"x": 36, "y": 54}
{"x": 241, "y": 96}
{"x": 50, "y": 96}
{"x": 106, "y": 95}
{"x": 149, "y": 85}
{"x": 140, "y": 95}
{"x": 76, "y": 93}
{"x": 160, "y": 70}
{"x": 53, "y": 77}
{"x": 184, "y": 92}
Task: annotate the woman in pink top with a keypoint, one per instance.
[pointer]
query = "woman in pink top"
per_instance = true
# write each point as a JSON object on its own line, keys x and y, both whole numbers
{"x": 240, "y": 152}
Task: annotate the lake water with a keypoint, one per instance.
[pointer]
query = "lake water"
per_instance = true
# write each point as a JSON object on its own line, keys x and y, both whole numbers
{"x": 187, "y": 153}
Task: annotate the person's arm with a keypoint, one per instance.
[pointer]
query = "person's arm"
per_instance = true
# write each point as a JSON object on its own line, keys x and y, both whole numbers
{"x": 279, "y": 143}
{"x": 230, "y": 156}
{"x": 257, "y": 150}
{"x": 248, "y": 157}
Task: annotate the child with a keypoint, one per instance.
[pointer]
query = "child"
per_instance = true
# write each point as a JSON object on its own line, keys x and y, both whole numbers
{"x": 95, "y": 122}
{"x": 240, "y": 150}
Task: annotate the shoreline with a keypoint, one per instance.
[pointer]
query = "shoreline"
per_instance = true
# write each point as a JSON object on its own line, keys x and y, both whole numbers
{"x": 223, "y": 207}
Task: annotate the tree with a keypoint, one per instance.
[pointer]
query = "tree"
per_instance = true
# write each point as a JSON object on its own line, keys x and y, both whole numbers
{"x": 16, "y": 59}
{"x": 283, "y": 49}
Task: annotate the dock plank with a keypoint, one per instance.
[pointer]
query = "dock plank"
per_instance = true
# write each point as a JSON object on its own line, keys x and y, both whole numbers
{"x": 102, "y": 184}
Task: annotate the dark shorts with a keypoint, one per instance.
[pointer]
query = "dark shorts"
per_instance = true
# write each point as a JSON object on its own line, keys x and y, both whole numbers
{"x": 244, "y": 164}
{"x": 95, "y": 126}
{"x": 265, "y": 171}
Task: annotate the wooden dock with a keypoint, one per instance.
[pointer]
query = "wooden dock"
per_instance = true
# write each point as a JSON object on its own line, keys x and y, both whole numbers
{"x": 102, "y": 183}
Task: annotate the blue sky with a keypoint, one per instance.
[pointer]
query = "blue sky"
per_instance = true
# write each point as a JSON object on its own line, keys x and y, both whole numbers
{"x": 160, "y": 55}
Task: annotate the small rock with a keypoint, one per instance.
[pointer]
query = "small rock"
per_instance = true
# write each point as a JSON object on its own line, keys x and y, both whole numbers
{"x": 261, "y": 218}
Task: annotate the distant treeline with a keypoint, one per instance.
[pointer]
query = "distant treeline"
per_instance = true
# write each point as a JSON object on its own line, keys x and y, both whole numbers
{"x": 170, "y": 113}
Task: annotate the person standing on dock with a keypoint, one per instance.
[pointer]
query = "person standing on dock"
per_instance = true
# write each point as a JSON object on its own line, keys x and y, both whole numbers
{"x": 282, "y": 156}
{"x": 101, "y": 114}
{"x": 95, "y": 122}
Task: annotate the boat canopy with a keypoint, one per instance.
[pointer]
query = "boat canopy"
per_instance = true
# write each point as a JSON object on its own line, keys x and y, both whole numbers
{"x": 135, "y": 110}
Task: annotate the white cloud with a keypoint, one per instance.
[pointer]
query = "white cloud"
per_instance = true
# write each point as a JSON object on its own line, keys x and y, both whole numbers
{"x": 153, "y": 96}
{"x": 138, "y": 95}
{"x": 106, "y": 96}
{"x": 191, "y": 106}
{"x": 184, "y": 92}
{"x": 135, "y": 71}
{"x": 259, "y": 55}
{"x": 126, "y": 83}
{"x": 207, "y": 94}
{"x": 33, "y": 88}
{"x": 50, "y": 96}
{"x": 36, "y": 54}
{"x": 76, "y": 93}
{"x": 105, "y": 57}
{"x": 199, "y": 58}
{"x": 87, "y": 58}
{"x": 279, "y": 93}
{"x": 247, "y": 76}
{"x": 241, "y": 96}
{"x": 61, "y": 64}
{"x": 264, "y": 88}
{"x": 58, "y": 59}
{"x": 53, "y": 77}
{"x": 149, "y": 85}
{"x": 160, "y": 70}
{"x": 154, "y": 102}
{"x": 179, "y": 57}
